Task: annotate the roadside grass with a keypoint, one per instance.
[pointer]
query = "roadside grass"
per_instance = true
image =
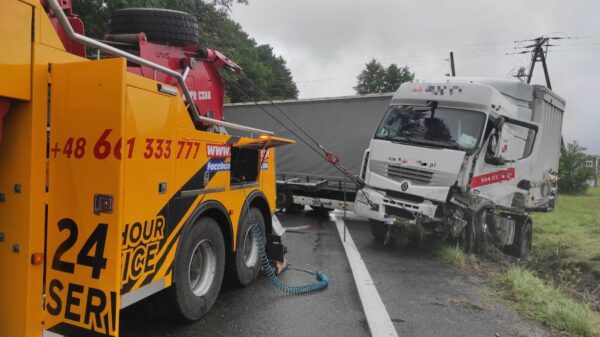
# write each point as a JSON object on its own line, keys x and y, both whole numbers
{"x": 564, "y": 266}
{"x": 594, "y": 192}
{"x": 536, "y": 299}
{"x": 451, "y": 254}
{"x": 567, "y": 241}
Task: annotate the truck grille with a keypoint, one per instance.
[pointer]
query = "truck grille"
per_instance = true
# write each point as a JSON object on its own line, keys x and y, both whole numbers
{"x": 401, "y": 173}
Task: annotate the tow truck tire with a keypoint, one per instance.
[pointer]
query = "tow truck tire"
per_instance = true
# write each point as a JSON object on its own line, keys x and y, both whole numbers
{"x": 379, "y": 230}
{"x": 244, "y": 264}
{"x": 163, "y": 26}
{"x": 522, "y": 242}
{"x": 198, "y": 272}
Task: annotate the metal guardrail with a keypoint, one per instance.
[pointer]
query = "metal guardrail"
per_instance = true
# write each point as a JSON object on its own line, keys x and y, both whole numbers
{"x": 87, "y": 41}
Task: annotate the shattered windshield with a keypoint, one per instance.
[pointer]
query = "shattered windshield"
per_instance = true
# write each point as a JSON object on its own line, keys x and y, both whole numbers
{"x": 438, "y": 127}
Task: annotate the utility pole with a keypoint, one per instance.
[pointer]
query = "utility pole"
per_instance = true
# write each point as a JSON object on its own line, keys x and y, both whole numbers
{"x": 539, "y": 55}
{"x": 539, "y": 52}
{"x": 538, "y": 48}
{"x": 452, "y": 72}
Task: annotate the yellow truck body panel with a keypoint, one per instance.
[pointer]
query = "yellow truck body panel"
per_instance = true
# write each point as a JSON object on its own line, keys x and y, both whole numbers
{"x": 100, "y": 172}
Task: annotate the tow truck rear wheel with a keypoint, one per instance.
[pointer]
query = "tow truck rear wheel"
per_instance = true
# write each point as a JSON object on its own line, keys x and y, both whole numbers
{"x": 244, "y": 264}
{"x": 198, "y": 272}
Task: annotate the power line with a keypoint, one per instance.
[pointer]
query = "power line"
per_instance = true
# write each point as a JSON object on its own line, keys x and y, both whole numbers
{"x": 318, "y": 149}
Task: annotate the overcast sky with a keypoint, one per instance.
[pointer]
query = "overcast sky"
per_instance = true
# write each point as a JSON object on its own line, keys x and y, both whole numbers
{"x": 327, "y": 42}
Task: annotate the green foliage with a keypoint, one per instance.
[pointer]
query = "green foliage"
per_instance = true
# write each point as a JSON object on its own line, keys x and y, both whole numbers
{"x": 375, "y": 78}
{"x": 451, "y": 254}
{"x": 568, "y": 237}
{"x": 572, "y": 171}
{"x": 266, "y": 70}
{"x": 371, "y": 79}
{"x": 394, "y": 76}
{"x": 539, "y": 300}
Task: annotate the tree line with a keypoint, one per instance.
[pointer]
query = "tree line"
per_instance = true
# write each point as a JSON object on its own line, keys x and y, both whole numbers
{"x": 269, "y": 72}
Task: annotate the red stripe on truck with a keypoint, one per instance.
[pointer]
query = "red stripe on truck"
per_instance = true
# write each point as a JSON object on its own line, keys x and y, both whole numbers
{"x": 494, "y": 177}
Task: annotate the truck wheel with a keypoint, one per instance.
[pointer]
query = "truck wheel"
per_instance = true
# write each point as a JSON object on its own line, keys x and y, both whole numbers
{"x": 163, "y": 26}
{"x": 479, "y": 229}
{"x": 284, "y": 199}
{"x": 522, "y": 241}
{"x": 294, "y": 208}
{"x": 244, "y": 264}
{"x": 466, "y": 240}
{"x": 321, "y": 210}
{"x": 472, "y": 239}
{"x": 379, "y": 230}
{"x": 198, "y": 272}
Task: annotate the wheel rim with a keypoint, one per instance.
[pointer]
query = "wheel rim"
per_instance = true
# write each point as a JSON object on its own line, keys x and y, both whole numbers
{"x": 202, "y": 267}
{"x": 250, "y": 248}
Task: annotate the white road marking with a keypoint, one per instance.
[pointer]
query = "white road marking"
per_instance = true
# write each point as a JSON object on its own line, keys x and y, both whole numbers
{"x": 378, "y": 318}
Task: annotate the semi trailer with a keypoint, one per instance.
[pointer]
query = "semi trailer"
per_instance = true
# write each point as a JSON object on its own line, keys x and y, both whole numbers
{"x": 117, "y": 179}
{"x": 465, "y": 159}
{"x": 343, "y": 125}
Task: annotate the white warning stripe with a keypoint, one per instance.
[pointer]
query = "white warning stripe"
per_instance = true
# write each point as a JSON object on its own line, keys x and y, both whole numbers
{"x": 378, "y": 318}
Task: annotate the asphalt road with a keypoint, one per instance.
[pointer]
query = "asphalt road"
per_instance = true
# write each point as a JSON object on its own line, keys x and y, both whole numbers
{"x": 424, "y": 297}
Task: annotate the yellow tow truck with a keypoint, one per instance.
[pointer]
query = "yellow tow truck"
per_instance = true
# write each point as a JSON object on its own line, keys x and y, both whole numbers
{"x": 117, "y": 180}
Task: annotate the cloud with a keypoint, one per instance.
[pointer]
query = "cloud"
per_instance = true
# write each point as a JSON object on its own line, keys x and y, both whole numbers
{"x": 327, "y": 43}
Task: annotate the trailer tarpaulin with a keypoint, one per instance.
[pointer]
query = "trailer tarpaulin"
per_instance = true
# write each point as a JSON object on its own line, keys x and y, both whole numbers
{"x": 343, "y": 125}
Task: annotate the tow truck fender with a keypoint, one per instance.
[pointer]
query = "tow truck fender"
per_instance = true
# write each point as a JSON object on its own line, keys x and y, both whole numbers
{"x": 218, "y": 212}
{"x": 257, "y": 198}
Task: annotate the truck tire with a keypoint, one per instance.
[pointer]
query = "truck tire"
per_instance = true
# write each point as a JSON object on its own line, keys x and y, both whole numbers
{"x": 284, "y": 199}
{"x": 321, "y": 209}
{"x": 522, "y": 241}
{"x": 480, "y": 244}
{"x": 473, "y": 240}
{"x": 379, "y": 230}
{"x": 466, "y": 240}
{"x": 198, "y": 271}
{"x": 294, "y": 208}
{"x": 162, "y": 26}
{"x": 244, "y": 264}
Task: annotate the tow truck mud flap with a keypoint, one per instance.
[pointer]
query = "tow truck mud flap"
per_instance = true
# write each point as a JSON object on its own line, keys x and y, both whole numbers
{"x": 84, "y": 226}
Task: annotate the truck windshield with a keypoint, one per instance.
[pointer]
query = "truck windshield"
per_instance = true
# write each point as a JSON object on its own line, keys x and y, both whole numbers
{"x": 438, "y": 127}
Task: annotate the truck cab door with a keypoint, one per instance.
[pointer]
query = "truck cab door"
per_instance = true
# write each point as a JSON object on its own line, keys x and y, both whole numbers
{"x": 505, "y": 167}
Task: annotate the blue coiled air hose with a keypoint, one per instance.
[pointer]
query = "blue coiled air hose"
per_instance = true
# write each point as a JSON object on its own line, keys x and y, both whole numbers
{"x": 322, "y": 280}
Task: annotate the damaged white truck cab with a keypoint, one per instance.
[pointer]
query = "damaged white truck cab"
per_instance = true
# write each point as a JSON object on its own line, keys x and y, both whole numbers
{"x": 463, "y": 158}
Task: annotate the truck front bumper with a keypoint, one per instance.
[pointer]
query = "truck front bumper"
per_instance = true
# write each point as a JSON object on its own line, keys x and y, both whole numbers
{"x": 376, "y": 205}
